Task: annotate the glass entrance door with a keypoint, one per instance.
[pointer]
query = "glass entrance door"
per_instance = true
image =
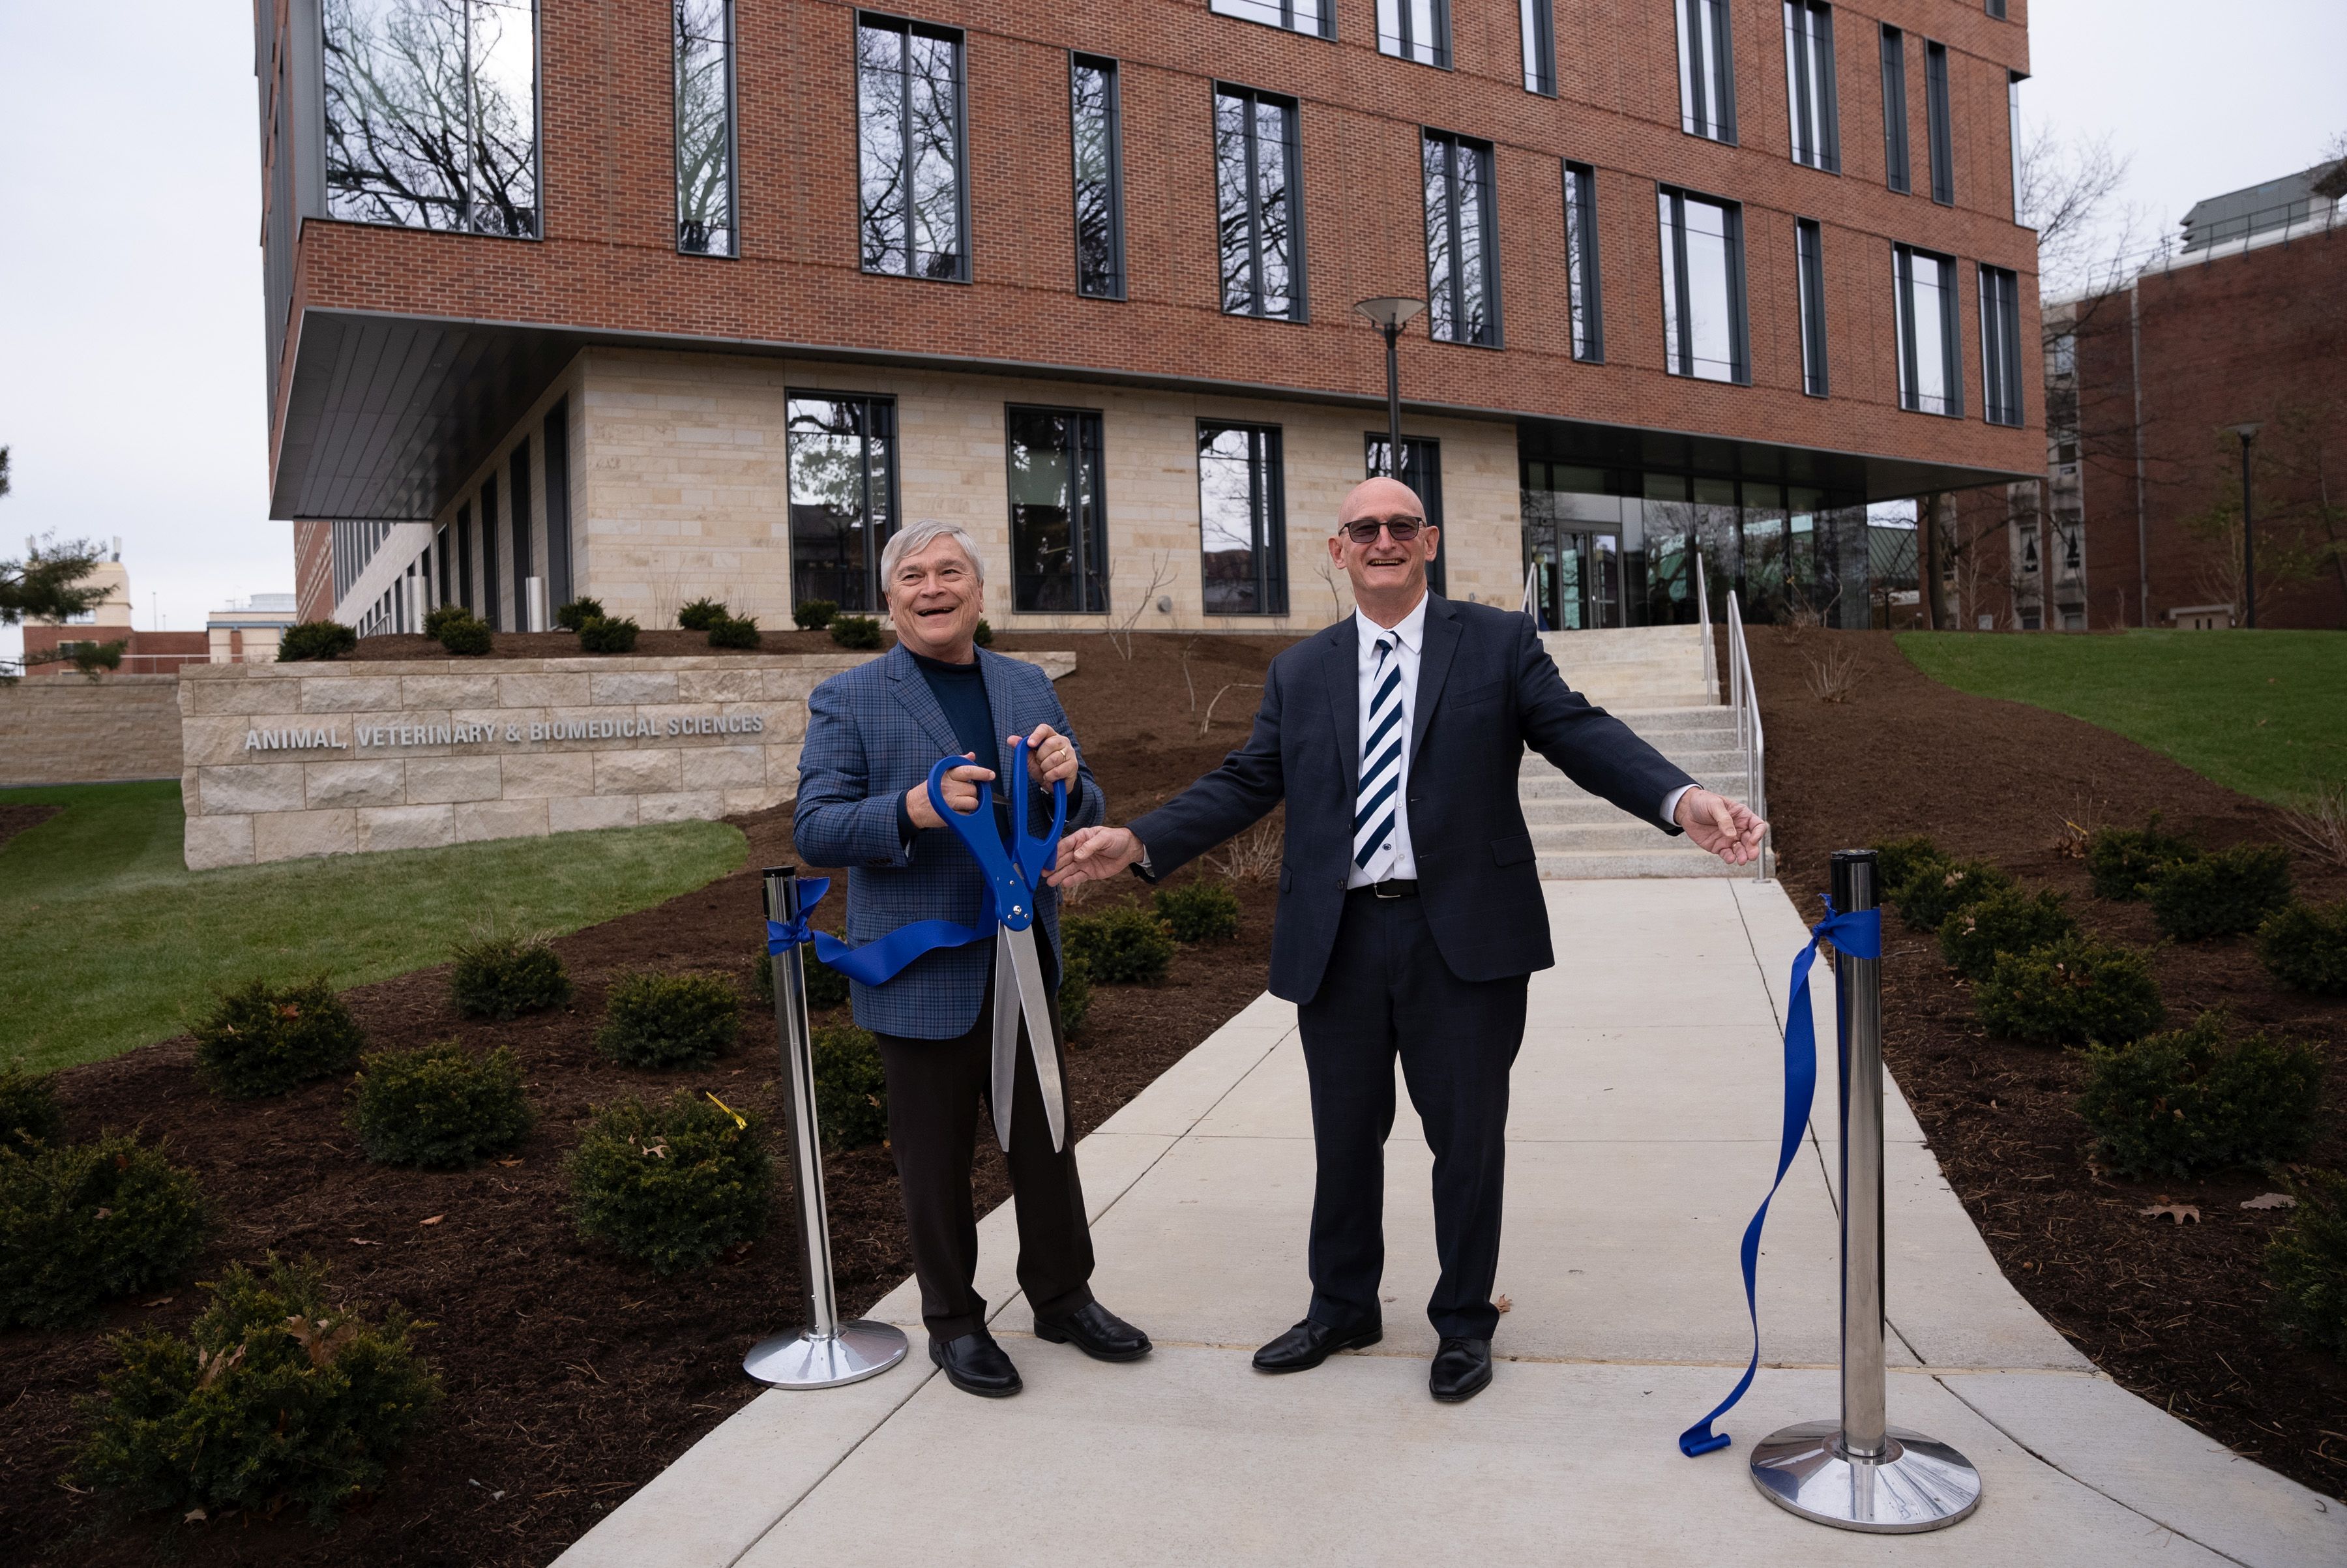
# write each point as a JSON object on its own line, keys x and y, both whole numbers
{"x": 1576, "y": 577}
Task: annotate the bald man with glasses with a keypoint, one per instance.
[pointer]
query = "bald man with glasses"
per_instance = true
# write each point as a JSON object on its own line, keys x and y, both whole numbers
{"x": 1410, "y": 914}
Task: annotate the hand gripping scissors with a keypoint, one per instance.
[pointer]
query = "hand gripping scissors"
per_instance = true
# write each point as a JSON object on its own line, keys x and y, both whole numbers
{"x": 1011, "y": 877}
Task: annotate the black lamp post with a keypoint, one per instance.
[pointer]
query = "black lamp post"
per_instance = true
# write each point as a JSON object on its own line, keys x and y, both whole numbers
{"x": 1390, "y": 316}
{"x": 2247, "y": 433}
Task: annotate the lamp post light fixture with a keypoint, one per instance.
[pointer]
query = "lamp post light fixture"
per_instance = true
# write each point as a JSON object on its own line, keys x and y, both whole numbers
{"x": 1390, "y": 316}
{"x": 2248, "y": 432}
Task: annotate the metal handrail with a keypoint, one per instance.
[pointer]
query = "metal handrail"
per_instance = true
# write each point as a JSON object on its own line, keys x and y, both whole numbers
{"x": 1532, "y": 602}
{"x": 1745, "y": 697}
{"x": 1703, "y": 619}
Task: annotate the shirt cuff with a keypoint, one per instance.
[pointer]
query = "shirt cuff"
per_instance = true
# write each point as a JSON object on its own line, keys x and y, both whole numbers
{"x": 1671, "y": 803}
{"x": 905, "y": 828}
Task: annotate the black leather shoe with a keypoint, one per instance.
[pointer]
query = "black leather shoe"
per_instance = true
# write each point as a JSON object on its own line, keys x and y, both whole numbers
{"x": 1308, "y": 1344}
{"x": 1461, "y": 1369}
{"x": 1097, "y": 1332}
{"x": 976, "y": 1365}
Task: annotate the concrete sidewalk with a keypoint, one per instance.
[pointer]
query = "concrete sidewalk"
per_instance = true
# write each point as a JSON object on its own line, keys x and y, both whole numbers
{"x": 1642, "y": 1131}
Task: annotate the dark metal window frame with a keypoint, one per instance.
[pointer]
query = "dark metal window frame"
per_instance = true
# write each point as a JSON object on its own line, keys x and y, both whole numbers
{"x": 886, "y": 403}
{"x": 1538, "y": 18}
{"x": 1810, "y": 96}
{"x": 518, "y": 491}
{"x": 1287, "y": 24}
{"x": 1587, "y": 312}
{"x": 489, "y": 552}
{"x": 1674, "y": 275}
{"x": 1108, "y": 67}
{"x": 1456, "y": 147}
{"x": 1910, "y": 345}
{"x": 1405, "y": 43}
{"x": 1898, "y": 165}
{"x": 1422, "y": 457}
{"x": 1996, "y": 9}
{"x": 1710, "y": 80}
{"x": 1267, "y": 506}
{"x": 1810, "y": 268}
{"x": 1292, "y": 113}
{"x": 1939, "y": 119}
{"x": 2000, "y": 318}
{"x": 733, "y": 140}
{"x": 1084, "y": 540}
{"x": 908, "y": 26}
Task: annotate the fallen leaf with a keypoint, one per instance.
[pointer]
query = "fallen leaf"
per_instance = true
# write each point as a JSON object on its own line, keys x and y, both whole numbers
{"x": 362, "y": 1241}
{"x": 194, "y": 1516}
{"x": 1504, "y": 1305}
{"x": 159, "y": 1301}
{"x": 2271, "y": 1201}
{"x": 2180, "y": 1212}
{"x": 106, "y": 1214}
{"x": 510, "y": 1163}
{"x": 435, "y": 1220}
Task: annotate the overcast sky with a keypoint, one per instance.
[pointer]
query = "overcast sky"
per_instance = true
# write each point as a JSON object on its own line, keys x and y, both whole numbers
{"x": 131, "y": 383}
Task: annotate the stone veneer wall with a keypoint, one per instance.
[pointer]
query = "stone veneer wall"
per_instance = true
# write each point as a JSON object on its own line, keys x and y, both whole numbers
{"x": 68, "y": 729}
{"x": 278, "y": 760}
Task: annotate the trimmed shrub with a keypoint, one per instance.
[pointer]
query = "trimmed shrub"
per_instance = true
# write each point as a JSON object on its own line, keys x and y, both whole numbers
{"x": 701, "y": 615}
{"x": 1075, "y": 997}
{"x": 575, "y": 615}
{"x": 826, "y": 988}
{"x": 602, "y": 636}
{"x": 1896, "y": 860}
{"x": 857, "y": 631}
{"x": 81, "y": 1224}
{"x": 264, "y": 1039}
{"x": 1124, "y": 947}
{"x": 467, "y": 636}
{"x": 2306, "y": 1264}
{"x": 2185, "y": 1103}
{"x": 2305, "y": 948}
{"x": 813, "y": 614}
{"x": 505, "y": 977}
{"x": 672, "y": 1185}
{"x": 28, "y": 1110}
{"x": 851, "y": 1089}
{"x": 2071, "y": 992}
{"x": 984, "y": 635}
{"x": 2222, "y": 895}
{"x": 738, "y": 631}
{"x": 1940, "y": 888}
{"x": 441, "y": 617}
{"x": 668, "y": 1020}
{"x": 2010, "y": 921}
{"x": 438, "y": 1106}
{"x": 2124, "y": 862}
{"x": 1202, "y": 911}
{"x": 316, "y": 639}
{"x": 274, "y": 1399}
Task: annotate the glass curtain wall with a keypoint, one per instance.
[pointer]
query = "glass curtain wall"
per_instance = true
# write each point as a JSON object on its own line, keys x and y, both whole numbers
{"x": 909, "y": 149}
{"x": 1242, "y": 519}
{"x": 843, "y": 464}
{"x": 1059, "y": 518}
{"x": 704, "y": 127}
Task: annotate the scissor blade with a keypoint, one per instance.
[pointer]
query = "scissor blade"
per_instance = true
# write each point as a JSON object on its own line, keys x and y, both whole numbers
{"x": 1037, "y": 1001}
{"x": 1006, "y": 1035}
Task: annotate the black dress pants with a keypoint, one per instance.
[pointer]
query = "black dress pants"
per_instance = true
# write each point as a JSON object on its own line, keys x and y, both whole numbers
{"x": 1388, "y": 992}
{"x": 935, "y": 1088}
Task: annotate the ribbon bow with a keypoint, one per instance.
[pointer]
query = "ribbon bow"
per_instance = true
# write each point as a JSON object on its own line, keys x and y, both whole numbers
{"x": 783, "y": 935}
{"x": 1858, "y": 934}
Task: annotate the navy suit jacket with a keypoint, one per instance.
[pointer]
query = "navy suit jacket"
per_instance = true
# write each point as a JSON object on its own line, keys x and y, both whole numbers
{"x": 1486, "y": 690}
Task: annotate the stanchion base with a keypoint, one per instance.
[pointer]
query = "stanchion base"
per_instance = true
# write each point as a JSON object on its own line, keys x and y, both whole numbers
{"x": 1919, "y": 1485}
{"x": 860, "y": 1349}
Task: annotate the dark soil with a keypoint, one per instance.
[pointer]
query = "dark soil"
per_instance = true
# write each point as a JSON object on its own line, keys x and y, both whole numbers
{"x": 573, "y": 1378}
{"x": 2176, "y": 1312}
{"x": 16, "y": 819}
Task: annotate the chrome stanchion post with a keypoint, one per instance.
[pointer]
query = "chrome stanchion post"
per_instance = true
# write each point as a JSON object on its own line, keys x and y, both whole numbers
{"x": 826, "y": 1352}
{"x": 1860, "y": 1472}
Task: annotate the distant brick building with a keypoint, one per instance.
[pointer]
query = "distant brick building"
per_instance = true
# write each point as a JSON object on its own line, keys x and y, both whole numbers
{"x": 49, "y": 645}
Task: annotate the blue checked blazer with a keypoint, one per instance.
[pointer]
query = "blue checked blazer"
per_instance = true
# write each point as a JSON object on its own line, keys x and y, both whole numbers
{"x": 873, "y": 733}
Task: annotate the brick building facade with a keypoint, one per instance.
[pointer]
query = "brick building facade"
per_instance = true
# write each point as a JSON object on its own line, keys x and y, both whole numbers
{"x": 1692, "y": 285}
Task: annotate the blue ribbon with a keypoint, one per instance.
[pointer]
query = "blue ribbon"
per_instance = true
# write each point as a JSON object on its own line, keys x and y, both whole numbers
{"x": 1858, "y": 934}
{"x": 874, "y": 962}
{"x": 782, "y": 934}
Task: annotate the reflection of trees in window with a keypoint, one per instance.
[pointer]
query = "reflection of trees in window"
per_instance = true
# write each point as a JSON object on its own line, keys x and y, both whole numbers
{"x": 1422, "y": 470}
{"x": 1255, "y": 155}
{"x": 1581, "y": 261}
{"x": 1461, "y": 258}
{"x": 908, "y": 135}
{"x": 704, "y": 127}
{"x": 1058, "y": 518}
{"x": 431, "y": 114}
{"x": 1242, "y": 519}
{"x": 1100, "y": 215}
{"x": 843, "y": 497}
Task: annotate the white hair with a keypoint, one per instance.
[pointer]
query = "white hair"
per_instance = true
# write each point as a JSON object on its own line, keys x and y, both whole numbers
{"x": 916, "y": 538}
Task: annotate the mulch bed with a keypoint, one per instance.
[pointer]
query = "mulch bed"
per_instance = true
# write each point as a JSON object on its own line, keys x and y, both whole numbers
{"x": 2175, "y": 1312}
{"x": 572, "y": 1377}
{"x": 16, "y": 819}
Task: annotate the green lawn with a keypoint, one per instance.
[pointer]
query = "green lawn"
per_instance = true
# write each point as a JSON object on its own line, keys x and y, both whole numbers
{"x": 2264, "y": 712}
{"x": 106, "y": 941}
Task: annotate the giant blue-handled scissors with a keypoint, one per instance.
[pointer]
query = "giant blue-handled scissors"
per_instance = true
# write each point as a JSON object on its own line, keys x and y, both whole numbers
{"x": 1011, "y": 877}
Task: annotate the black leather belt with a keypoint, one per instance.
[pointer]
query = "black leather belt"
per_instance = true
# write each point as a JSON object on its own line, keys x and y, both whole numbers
{"x": 1391, "y": 888}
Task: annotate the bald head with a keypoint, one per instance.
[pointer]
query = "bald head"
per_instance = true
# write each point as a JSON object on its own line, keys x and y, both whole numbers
{"x": 1388, "y": 572}
{"x": 1380, "y": 498}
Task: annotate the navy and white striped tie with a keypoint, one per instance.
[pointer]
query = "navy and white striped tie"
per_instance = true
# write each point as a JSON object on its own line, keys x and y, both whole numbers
{"x": 1373, "y": 818}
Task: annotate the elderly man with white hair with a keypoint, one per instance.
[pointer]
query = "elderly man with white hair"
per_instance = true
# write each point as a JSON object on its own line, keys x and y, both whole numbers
{"x": 873, "y": 734}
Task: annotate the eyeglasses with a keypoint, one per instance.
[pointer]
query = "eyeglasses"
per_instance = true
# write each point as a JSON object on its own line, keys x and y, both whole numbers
{"x": 1365, "y": 532}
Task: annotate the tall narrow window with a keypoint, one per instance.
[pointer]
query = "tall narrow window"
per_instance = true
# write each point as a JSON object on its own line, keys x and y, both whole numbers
{"x": 1058, "y": 520}
{"x": 704, "y": 127}
{"x": 1260, "y": 219}
{"x": 909, "y": 142}
{"x": 1702, "y": 288}
{"x": 843, "y": 463}
{"x": 1415, "y": 30}
{"x": 431, "y": 114}
{"x": 1242, "y": 519}
{"x": 1810, "y": 85}
{"x": 2000, "y": 315}
{"x": 1809, "y": 263}
{"x": 1894, "y": 110}
{"x": 1707, "y": 69}
{"x": 1422, "y": 470}
{"x": 519, "y": 486}
{"x": 1462, "y": 251}
{"x": 1538, "y": 18}
{"x": 1317, "y": 16}
{"x": 2012, "y": 80}
{"x": 1923, "y": 310}
{"x": 490, "y": 588}
{"x": 1943, "y": 130}
{"x": 1582, "y": 296}
{"x": 1096, "y": 127}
